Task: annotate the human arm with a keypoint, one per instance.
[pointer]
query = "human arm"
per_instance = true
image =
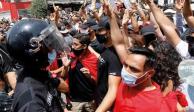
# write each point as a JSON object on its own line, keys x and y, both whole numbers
{"x": 158, "y": 31}
{"x": 116, "y": 36}
{"x": 7, "y": 70}
{"x": 113, "y": 83}
{"x": 114, "y": 78}
{"x": 165, "y": 24}
{"x": 140, "y": 12}
{"x": 82, "y": 10}
{"x": 134, "y": 22}
{"x": 187, "y": 13}
{"x": 63, "y": 86}
{"x": 56, "y": 14}
{"x": 57, "y": 70}
{"x": 11, "y": 78}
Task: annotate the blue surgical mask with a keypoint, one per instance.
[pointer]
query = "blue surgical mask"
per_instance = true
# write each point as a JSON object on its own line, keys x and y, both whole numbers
{"x": 128, "y": 78}
{"x": 51, "y": 56}
{"x": 132, "y": 80}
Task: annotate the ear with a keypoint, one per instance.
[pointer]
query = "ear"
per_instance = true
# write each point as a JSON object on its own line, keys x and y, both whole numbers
{"x": 85, "y": 46}
{"x": 151, "y": 73}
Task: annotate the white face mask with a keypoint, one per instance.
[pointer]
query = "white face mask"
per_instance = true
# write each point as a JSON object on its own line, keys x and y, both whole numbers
{"x": 130, "y": 79}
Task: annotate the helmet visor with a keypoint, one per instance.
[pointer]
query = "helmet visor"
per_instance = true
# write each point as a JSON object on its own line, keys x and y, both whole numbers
{"x": 52, "y": 38}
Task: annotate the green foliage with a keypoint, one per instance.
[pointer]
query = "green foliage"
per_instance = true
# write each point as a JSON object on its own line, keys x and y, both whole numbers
{"x": 39, "y": 8}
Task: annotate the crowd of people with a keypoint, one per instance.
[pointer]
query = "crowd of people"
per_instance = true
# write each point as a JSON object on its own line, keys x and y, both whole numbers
{"x": 106, "y": 57}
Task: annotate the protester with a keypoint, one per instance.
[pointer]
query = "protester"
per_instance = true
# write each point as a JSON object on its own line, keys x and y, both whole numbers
{"x": 109, "y": 69}
{"x": 82, "y": 74}
{"x": 114, "y": 55}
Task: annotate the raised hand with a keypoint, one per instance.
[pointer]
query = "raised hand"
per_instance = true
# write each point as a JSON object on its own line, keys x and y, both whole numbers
{"x": 65, "y": 60}
{"x": 147, "y": 1}
{"x": 179, "y": 4}
{"x": 125, "y": 17}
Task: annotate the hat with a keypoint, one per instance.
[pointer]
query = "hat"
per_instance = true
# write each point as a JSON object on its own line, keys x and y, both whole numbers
{"x": 90, "y": 22}
{"x": 95, "y": 27}
{"x": 147, "y": 30}
{"x": 104, "y": 23}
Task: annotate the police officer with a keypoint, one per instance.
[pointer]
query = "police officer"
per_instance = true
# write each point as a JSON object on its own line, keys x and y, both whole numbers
{"x": 33, "y": 43}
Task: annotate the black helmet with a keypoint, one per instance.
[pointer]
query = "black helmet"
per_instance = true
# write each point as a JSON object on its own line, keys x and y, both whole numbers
{"x": 29, "y": 42}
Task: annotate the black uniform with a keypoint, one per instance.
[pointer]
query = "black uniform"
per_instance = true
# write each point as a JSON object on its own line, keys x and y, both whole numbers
{"x": 35, "y": 92}
{"x": 30, "y": 42}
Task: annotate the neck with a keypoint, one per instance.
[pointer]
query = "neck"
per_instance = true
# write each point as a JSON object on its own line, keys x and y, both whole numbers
{"x": 146, "y": 86}
{"x": 84, "y": 53}
{"x": 93, "y": 38}
{"x": 108, "y": 43}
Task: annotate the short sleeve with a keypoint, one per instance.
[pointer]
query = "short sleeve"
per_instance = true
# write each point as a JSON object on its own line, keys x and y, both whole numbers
{"x": 114, "y": 67}
{"x": 182, "y": 48}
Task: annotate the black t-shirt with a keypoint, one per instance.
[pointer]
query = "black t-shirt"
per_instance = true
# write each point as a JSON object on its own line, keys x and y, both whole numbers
{"x": 81, "y": 87}
{"x": 99, "y": 48}
{"x": 109, "y": 64}
{"x": 5, "y": 62}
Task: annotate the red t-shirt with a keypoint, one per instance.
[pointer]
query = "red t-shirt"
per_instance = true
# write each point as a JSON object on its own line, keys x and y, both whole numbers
{"x": 132, "y": 100}
{"x": 88, "y": 60}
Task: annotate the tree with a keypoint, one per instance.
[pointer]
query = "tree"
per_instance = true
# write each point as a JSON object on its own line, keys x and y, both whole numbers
{"x": 39, "y": 8}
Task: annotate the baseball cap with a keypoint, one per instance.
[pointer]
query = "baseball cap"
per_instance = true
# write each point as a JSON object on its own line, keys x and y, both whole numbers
{"x": 104, "y": 23}
{"x": 90, "y": 22}
{"x": 147, "y": 30}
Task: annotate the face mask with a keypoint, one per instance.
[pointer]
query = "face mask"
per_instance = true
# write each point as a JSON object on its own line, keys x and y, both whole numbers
{"x": 101, "y": 38}
{"x": 130, "y": 79}
{"x": 78, "y": 52}
{"x": 51, "y": 56}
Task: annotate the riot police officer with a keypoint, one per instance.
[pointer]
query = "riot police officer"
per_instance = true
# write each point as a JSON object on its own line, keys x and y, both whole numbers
{"x": 33, "y": 43}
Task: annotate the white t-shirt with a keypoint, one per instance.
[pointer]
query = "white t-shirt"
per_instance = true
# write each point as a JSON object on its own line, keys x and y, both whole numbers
{"x": 183, "y": 49}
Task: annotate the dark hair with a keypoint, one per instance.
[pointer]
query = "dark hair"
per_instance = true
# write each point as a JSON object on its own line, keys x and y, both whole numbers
{"x": 83, "y": 38}
{"x": 167, "y": 65}
{"x": 150, "y": 56}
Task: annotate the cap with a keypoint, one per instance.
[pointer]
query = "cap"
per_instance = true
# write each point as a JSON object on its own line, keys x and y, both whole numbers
{"x": 104, "y": 23}
{"x": 147, "y": 30}
{"x": 90, "y": 22}
{"x": 95, "y": 27}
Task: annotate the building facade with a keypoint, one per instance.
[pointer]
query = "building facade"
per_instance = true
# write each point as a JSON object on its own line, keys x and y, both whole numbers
{"x": 13, "y": 9}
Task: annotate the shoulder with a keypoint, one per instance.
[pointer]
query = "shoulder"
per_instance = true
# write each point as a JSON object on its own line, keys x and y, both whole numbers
{"x": 29, "y": 98}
